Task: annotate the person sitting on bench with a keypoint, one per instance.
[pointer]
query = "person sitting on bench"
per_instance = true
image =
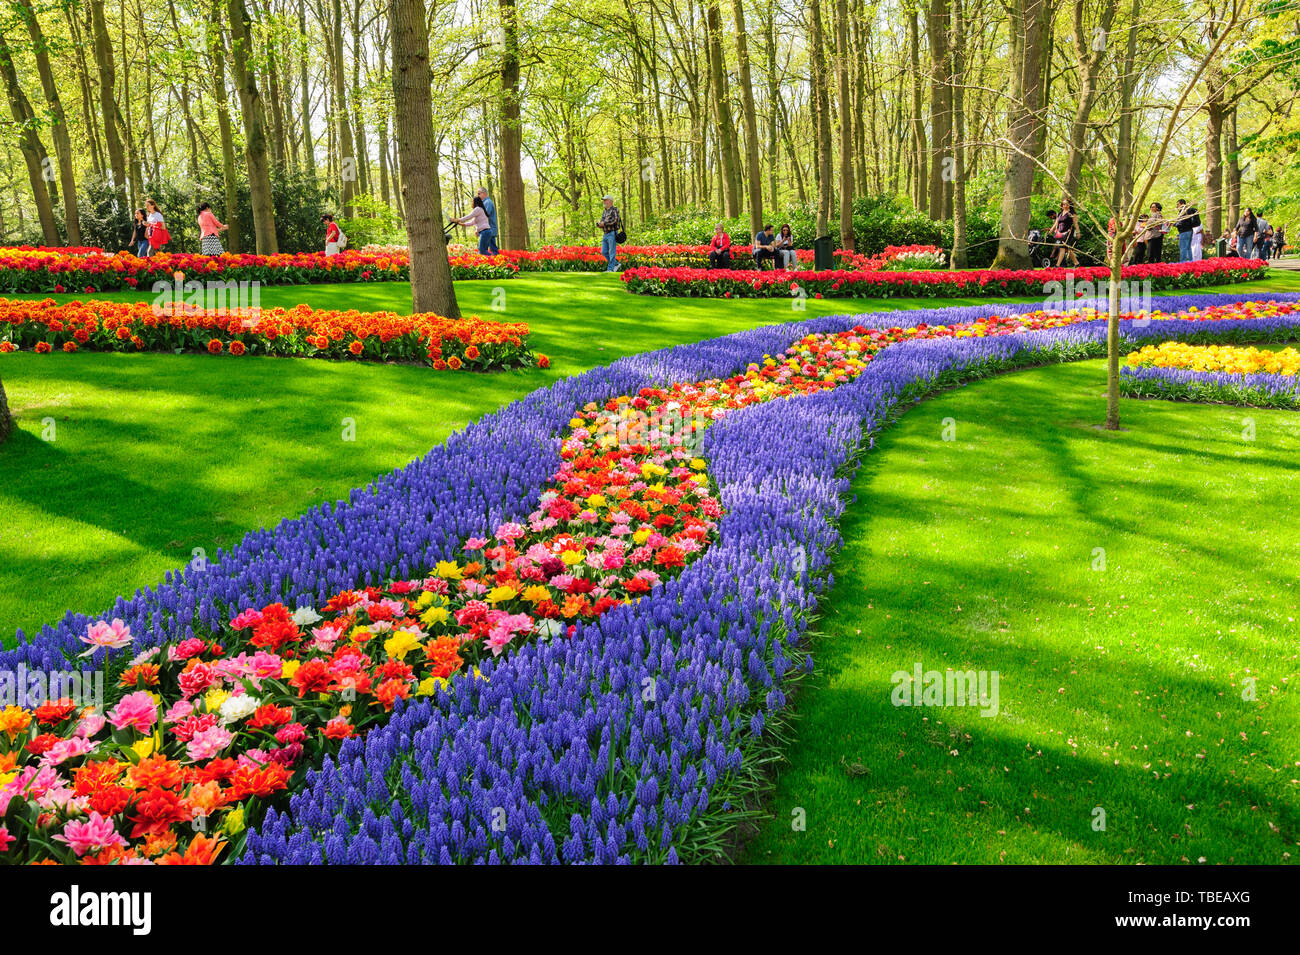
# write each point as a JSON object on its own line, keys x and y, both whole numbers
{"x": 720, "y": 249}
{"x": 765, "y": 247}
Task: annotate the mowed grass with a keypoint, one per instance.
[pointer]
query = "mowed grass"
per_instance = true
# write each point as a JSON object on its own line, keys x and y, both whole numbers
{"x": 155, "y": 455}
{"x": 1129, "y": 588}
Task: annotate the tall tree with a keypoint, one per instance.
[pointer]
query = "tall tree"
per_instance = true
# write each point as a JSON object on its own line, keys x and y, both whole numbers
{"x": 846, "y": 123}
{"x": 753, "y": 170}
{"x": 217, "y": 68}
{"x": 431, "y": 286}
{"x": 728, "y": 154}
{"x": 820, "y": 90}
{"x": 112, "y": 117}
{"x": 1030, "y": 20}
{"x": 939, "y": 193}
{"x": 59, "y": 123}
{"x": 1089, "y": 51}
{"x": 29, "y": 143}
{"x": 256, "y": 150}
{"x": 513, "y": 217}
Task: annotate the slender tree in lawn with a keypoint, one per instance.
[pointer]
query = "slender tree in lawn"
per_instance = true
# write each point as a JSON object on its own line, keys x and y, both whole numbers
{"x": 431, "y": 288}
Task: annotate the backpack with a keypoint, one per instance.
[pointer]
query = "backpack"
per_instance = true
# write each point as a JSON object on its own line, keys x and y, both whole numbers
{"x": 343, "y": 241}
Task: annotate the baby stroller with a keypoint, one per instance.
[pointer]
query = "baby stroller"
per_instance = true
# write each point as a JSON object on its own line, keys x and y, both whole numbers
{"x": 1042, "y": 248}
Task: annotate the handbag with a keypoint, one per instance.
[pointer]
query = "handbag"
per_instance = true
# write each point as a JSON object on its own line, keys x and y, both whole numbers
{"x": 159, "y": 236}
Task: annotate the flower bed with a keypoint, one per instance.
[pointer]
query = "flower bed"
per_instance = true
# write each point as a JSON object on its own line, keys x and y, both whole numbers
{"x": 637, "y": 735}
{"x": 299, "y": 332}
{"x": 879, "y": 283}
{"x": 36, "y": 270}
{"x": 1222, "y": 374}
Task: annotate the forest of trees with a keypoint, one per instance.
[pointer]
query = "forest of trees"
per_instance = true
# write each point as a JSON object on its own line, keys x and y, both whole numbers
{"x": 973, "y": 114}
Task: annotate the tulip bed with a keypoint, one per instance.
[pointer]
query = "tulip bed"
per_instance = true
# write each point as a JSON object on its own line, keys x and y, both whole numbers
{"x": 1221, "y": 374}
{"x": 300, "y": 332}
{"x": 632, "y": 731}
{"x": 88, "y": 271}
{"x": 884, "y": 283}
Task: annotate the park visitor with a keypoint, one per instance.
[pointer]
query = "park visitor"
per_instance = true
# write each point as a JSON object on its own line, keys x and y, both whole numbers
{"x": 1261, "y": 237}
{"x": 1157, "y": 226}
{"x": 1279, "y": 242}
{"x": 786, "y": 256}
{"x": 476, "y": 217}
{"x": 765, "y": 247}
{"x": 333, "y": 235}
{"x": 611, "y": 224}
{"x": 156, "y": 226}
{"x": 140, "y": 235}
{"x": 1188, "y": 223}
{"x": 209, "y": 231}
{"x": 1064, "y": 232}
{"x": 720, "y": 248}
{"x": 1247, "y": 226}
{"x": 487, "y": 239}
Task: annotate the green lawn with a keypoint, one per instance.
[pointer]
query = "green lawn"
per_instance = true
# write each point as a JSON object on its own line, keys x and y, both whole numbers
{"x": 155, "y": 455}
{"x": 1119, "y": 688}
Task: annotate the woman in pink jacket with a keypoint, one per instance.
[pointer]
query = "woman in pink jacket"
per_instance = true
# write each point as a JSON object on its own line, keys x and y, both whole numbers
{"x": 209, "y": 231}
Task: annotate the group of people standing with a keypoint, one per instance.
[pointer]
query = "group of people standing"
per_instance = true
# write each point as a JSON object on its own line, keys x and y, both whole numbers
{"x": 1148, "y": 240}
{"x": 1254, "y": 237}
{"x": 776, "y": 248}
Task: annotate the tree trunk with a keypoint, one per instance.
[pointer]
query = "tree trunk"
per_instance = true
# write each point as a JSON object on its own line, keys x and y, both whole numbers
{"x": 62, "y": 142}
{"x": 431, "y": 286}
{"x": 29, "y": 144}
{"x": 255, "y": 140}
{"x": 347, "y": 158}
{"x": 513, "y": 218}
{"x": 6, "y": 420}
{"x": 728, "y": 154}
{"x": 304, "y": 90}
{"x": 919, "y": 176}
{"x": 1029, "y": 21}
{"x": 936, "y": 25}
{"x": 1088, "y": 58}
{"x": 753, "y": 170}
{"x": 217, "y": 59}
{"x": 958, "y": 48}
{"x": 1234, "y": 165}
{"x": 820, "y": 86}
{"x": 846, "y": 123}
{"x": 108, "y": 105}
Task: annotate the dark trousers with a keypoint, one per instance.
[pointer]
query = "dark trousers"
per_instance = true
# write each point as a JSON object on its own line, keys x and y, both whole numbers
{"x": 762, "y": 256}
{"x": 720, "y": 259}
{"x": 1139, "y": 255}
{"x": 1156, "y": 248}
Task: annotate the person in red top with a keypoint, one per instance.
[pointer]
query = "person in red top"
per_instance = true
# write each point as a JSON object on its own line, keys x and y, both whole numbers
{"x": 720, "y": 249}
{"x": 332, "y": 233}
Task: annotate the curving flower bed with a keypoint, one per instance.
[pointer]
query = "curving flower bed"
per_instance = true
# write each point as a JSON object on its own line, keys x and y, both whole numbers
{"x": 1222, "y": 374}
{"x": 299, "y": 332}
{"x": 637, "y": 735}
{"x": 883, "y": 283}
{"x": 59, "y": 270}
